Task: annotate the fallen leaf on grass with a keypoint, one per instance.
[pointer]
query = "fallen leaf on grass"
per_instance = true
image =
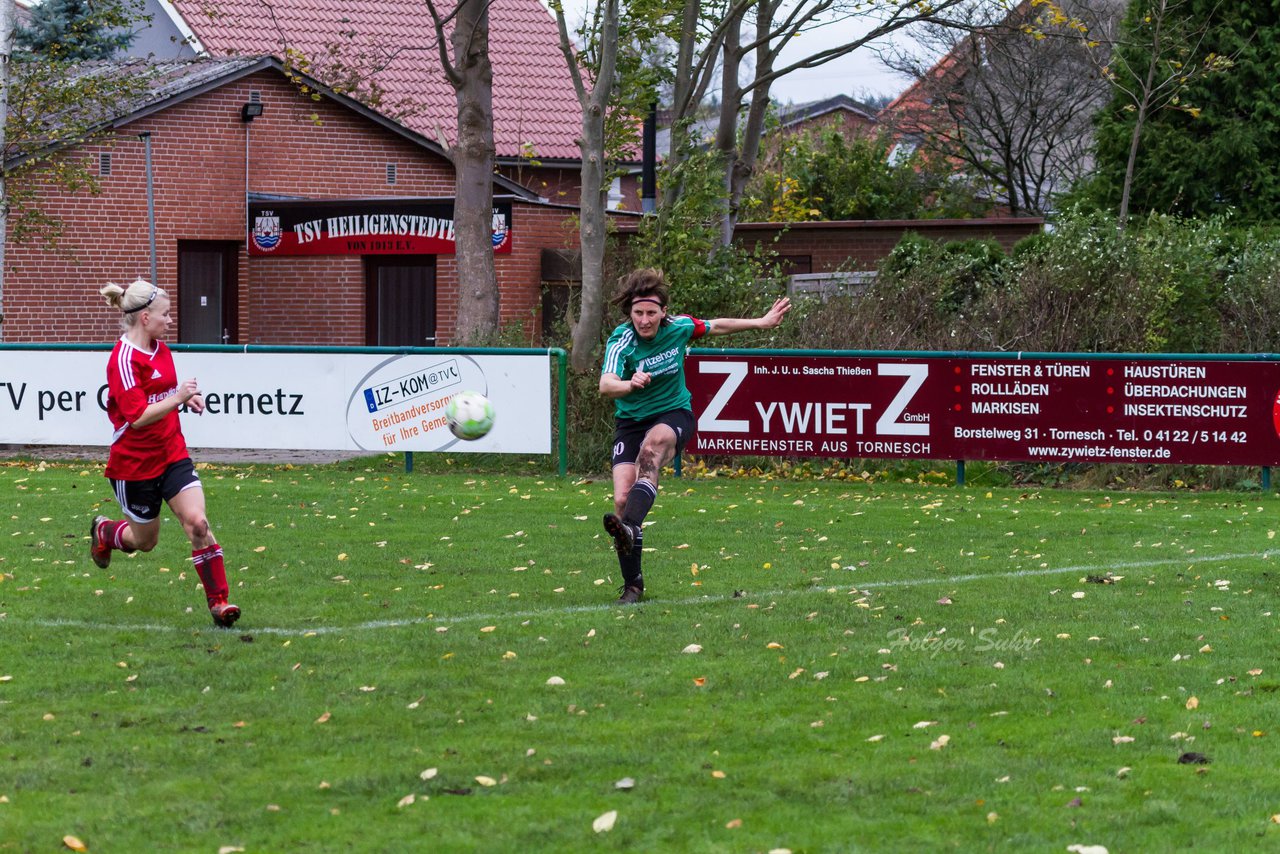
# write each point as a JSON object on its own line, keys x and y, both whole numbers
{"x": 230, "y": 849}
{"x": 924, "y": 724}
{"x": 692, "y": 649}
{"x": 1087, "y": 849}
{"x": 428, "y": 774}
{"x": 555, "y": 680}
{"x": 324, "y": 719}
{"x": 733, "y": 824}
{"x": 1194, "y": 759}
{"x": 1122, "y": 739}
{"x": 699, "y": 681}
{"x": 486, "y": 781}
{"x": 406, "y": 800}
{"x": 625, "y": 784}
{"x": 940, "y": 743}
{"x": 605, "y": 823}
{"x": 74, "y": 843}
{"x": 1193, "y": 703}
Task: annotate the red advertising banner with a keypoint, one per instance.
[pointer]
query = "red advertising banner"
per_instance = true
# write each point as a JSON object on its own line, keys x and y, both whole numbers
{"x": 988, "y": 407}
{"x": 363, "y": 227}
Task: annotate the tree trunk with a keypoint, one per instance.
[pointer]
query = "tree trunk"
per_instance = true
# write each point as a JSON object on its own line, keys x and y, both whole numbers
{"x": 1130, "y": 165}
{"x": 473, "y": 163}
{"x": 727, "y": 132}
{"x": 594, "y": 199}
{"x": 744, "y": 165}
{"x": 685, "y": 98}
{"x": 591, "y": 236}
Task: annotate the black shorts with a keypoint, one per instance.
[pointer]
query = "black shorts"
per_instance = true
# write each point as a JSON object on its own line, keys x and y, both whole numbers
{"x": 629, "y": 433}
{"x": 141, "y": 500}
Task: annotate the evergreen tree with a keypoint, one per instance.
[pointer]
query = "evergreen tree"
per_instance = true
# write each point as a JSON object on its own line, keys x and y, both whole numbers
{"x": 1215, "y": 145}
{"x": 74, "y": 30}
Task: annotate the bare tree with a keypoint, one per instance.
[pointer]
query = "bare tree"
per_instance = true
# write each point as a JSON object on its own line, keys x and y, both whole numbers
{"x": 1011, "y": 100}
{"x": 593, "y": 199}
{"x": 472, "y": 154}
{"x": 717, "y": 40}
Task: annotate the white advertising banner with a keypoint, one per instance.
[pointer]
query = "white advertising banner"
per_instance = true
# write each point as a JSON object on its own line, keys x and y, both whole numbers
{"x": 307, "y": 401}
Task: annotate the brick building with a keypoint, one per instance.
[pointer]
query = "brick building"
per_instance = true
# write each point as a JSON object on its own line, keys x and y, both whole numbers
{"x": 212, "y": 166}
{"x": 385, "y": 55}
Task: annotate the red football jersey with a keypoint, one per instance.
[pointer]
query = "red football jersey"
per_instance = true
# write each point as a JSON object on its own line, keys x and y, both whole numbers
{"x": 135, "y": 380}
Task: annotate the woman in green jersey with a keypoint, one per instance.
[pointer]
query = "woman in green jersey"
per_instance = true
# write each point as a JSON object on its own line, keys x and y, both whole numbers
{"x": 643, "y": 373}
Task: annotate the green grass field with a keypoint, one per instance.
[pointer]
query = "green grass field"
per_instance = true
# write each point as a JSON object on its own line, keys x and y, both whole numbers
{"x": 820, "y": 666}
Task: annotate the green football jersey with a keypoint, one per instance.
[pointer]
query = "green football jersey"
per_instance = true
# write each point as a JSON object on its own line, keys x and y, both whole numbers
{"x": 662, "y": 358}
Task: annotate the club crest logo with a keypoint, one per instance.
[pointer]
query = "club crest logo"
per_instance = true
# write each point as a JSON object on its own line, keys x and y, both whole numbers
{"x": 500, "y": 230}
{"x": 266, "y": 232}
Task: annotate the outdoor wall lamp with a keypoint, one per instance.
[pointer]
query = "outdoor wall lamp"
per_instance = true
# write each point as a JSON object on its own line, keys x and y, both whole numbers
{"x": 250, "y": 111}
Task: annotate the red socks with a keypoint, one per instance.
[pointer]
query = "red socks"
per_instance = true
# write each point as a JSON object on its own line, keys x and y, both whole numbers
{"x": 112, "y": 534}
{"x": 213, "y": 575}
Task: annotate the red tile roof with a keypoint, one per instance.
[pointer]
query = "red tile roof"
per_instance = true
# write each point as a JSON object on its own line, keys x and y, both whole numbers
{"x": 536, "y": 111}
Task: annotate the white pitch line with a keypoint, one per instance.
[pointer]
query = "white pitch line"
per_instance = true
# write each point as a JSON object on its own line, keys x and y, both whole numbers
{"x": 611, "y": 606}
{"x": 1029, "y": 573}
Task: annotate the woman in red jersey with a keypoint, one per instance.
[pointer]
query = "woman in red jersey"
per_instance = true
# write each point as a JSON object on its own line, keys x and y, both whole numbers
{"x": 149, "y": 463}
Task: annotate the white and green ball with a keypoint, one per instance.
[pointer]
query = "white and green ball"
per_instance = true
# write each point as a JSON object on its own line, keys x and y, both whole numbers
{"x": 470, "y": 415}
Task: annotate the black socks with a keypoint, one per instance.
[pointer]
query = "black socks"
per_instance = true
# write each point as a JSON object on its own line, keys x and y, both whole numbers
{"x": 639, "y": 502}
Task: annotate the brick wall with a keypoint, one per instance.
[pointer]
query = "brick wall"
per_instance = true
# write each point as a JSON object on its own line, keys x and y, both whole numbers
{"x": 204, "y": 159}
{"x": 862, "y": 244}
{"x": 534, "y": 228}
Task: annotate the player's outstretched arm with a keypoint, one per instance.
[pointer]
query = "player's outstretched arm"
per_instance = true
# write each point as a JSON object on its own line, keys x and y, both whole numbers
{"x": 770, "y": 319}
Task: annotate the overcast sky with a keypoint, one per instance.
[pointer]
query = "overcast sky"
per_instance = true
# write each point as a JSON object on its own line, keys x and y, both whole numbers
{"x": 860, "y": 73}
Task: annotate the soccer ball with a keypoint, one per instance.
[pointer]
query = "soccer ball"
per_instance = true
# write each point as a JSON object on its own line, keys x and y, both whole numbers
{"x": 470, "y": 415}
